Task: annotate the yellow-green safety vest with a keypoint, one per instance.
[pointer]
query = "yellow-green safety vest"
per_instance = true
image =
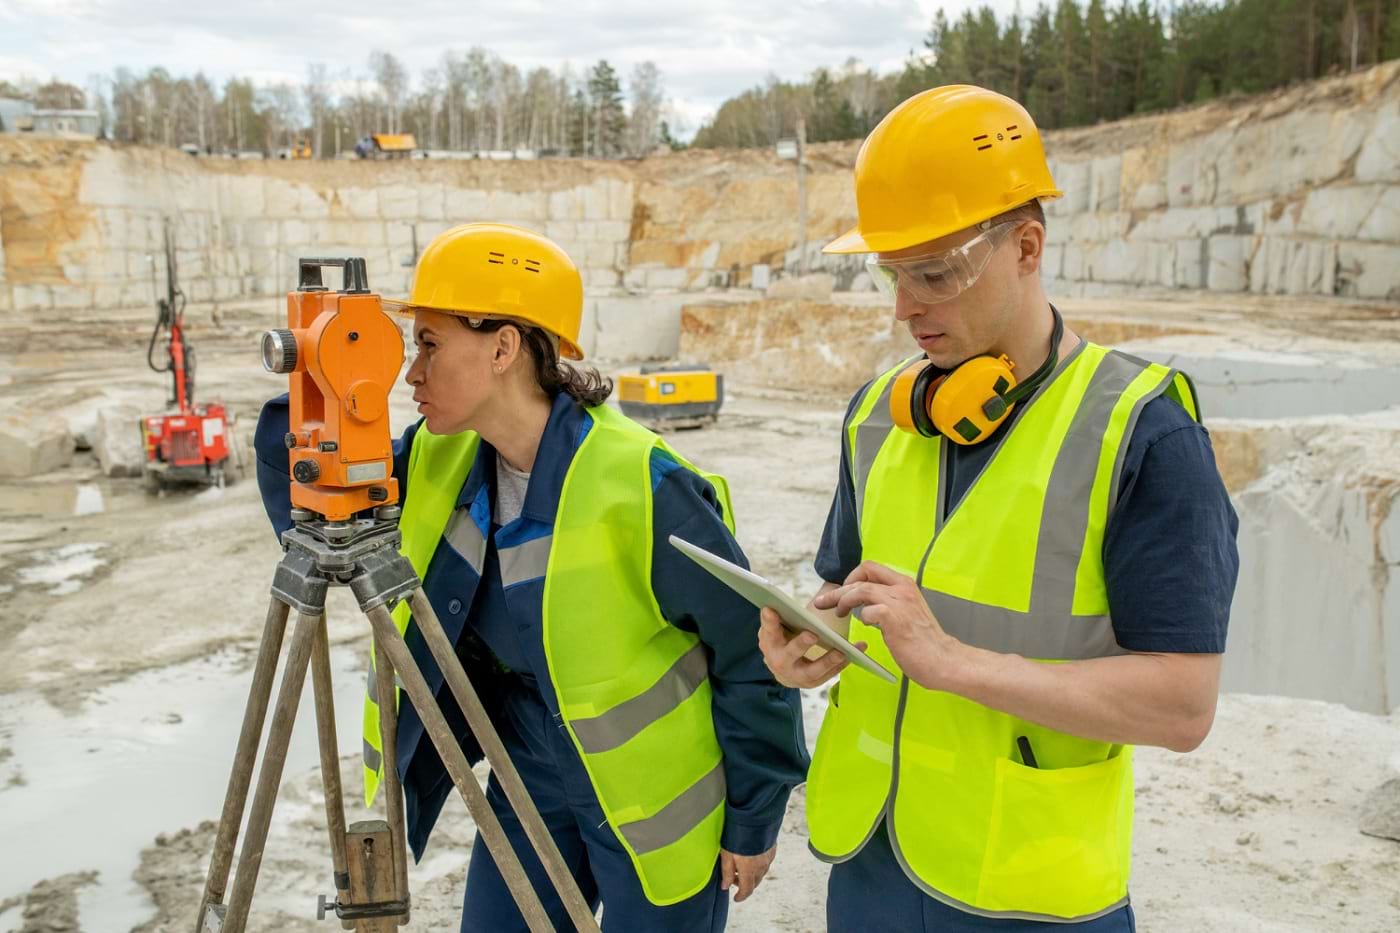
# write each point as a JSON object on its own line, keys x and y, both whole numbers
{"x": 633, "y": 689}
{"x": 1016, "y": 567}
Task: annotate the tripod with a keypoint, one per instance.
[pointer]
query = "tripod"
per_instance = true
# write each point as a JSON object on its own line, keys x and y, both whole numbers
{"x": 370, "y": 860}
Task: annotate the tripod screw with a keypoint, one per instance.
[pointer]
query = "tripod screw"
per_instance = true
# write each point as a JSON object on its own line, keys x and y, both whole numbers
{"x": 324, "y": 906}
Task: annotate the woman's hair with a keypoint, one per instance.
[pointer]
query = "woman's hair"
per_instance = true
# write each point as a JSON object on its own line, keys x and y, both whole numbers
{"x": 588, "y": 387}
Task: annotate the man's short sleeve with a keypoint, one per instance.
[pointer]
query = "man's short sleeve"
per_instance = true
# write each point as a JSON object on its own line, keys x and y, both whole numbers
{"x": 1170, "y": 560}
{"x": 839, "y": 551}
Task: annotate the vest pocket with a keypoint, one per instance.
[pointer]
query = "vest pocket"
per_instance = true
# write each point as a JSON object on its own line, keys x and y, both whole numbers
{"x": 1059, "y": 840}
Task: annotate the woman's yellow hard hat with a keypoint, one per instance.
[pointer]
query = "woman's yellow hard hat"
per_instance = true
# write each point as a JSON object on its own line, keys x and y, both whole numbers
{"x": 944, "y": 160}
{"x": 497, "y": 270}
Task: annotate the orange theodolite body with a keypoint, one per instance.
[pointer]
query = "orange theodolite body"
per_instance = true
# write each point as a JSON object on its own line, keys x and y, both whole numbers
{"x": 348, "y": 352}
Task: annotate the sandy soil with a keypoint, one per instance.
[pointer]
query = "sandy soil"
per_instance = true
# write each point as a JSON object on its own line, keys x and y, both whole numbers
{"x": 128, "y": 632}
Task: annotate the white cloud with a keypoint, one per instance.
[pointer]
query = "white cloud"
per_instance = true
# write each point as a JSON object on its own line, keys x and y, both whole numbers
{"x": 708, "y": 50}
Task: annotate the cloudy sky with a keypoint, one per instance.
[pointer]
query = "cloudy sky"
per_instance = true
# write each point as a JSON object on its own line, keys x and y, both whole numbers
{"x": 707, "y": 50}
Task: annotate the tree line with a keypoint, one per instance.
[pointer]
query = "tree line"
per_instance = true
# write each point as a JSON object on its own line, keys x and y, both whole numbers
{"x": 1075, "y": 63}
{"x": 468, "y": 101}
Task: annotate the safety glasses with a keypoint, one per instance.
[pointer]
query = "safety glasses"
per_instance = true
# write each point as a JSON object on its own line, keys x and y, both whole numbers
{"x": 937, "y": 277}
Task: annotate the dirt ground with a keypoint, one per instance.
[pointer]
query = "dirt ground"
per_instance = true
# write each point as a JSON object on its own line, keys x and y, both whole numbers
{"x": 129, "y": 623}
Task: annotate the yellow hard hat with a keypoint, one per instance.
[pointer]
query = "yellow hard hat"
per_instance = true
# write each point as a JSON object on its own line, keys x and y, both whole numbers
{"x": 944, "y": 160}
{"x": 496, "y": 270}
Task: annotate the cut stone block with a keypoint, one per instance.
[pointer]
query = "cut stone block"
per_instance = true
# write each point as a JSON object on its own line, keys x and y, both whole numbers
{"x": 1227, "y": 263}
{"x": 117, "y": 441}
{"x": 32, "y": 444}
{"x": 815, "y": 287}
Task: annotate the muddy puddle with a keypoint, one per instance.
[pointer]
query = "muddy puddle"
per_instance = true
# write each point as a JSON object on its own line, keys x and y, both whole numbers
{"x": 148, "y": 755}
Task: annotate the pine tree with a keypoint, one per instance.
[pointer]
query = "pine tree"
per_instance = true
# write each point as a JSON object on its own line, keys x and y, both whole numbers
{"x": 608, "y": 120}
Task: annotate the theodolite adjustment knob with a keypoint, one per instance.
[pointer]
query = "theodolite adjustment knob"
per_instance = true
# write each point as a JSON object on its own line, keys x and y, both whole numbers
{"x": 306, "y": 471}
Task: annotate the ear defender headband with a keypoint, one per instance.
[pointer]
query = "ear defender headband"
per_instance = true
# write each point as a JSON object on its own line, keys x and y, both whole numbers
{"x": 968, "y": 403}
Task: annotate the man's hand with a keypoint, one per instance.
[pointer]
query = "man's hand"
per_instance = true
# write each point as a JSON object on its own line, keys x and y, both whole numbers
{"x": 893, "y": 603}
{"x": 743, "y": 872}
{"x": 796, "y": 660}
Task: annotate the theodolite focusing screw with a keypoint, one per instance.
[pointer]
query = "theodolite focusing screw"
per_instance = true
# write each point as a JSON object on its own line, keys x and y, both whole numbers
{"x": 306, "y": 471}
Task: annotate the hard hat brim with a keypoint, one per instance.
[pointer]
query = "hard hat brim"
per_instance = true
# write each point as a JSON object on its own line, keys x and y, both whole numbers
{"x": 403, "y": 308}
{"x": 849, "y": 242}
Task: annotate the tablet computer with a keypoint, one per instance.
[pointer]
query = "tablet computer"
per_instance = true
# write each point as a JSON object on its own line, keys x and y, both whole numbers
{"x": 765, "y": 595}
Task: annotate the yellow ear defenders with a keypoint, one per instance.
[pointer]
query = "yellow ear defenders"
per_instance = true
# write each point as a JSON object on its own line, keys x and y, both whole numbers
{"x": 967, "y": 403}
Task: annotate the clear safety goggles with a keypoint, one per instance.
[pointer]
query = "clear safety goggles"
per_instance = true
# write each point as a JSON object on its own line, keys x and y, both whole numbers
{"x": 937, "y": 277}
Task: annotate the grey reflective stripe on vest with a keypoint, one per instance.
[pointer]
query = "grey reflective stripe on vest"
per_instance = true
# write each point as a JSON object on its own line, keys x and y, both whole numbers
{"x": 870, "y": 437}
{"x": 931, "y": 891}
{"x": 525, "y": 561}
{"x": 466, "y": 539}
{"x": 1064, "y": 518}
{"x": 372, "y": 684}
{"x": 1035, "y": 634}
{"x": 619, "y": 724}
{"x": 371, "y": 756}
{"x": 679, "y": 816}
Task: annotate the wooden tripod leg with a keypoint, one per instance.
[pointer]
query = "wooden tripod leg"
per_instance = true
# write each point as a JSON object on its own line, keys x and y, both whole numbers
{"x": 501, "y": 765}
{"x": 330, "y": 753}
{"x": 393, "y": 646}
{"x": 393, "y": 789}
{"x": 270, "y": 775}
{"x": 244, "y": 757}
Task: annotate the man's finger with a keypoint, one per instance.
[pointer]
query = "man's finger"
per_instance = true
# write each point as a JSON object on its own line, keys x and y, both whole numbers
{"x": 726, "y": 870}
{"x": 870, "y": 571}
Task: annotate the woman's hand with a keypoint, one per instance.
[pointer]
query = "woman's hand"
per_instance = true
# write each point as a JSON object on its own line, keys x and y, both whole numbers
{"x": 743, "y": 872}
{"x": 790, "y": 656}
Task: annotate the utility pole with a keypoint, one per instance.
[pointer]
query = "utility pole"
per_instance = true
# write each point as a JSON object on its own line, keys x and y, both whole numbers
{"x": 801, "y": 196}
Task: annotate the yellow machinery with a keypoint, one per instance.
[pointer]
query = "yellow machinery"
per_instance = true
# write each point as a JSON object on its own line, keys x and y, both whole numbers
{"x": 386, "y": 146}
{"x": 672, "y": 395}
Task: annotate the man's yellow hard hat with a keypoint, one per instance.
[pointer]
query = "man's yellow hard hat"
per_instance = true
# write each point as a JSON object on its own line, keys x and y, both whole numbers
{"x": 942, "y": 161}
{"x": 497, "y": 270}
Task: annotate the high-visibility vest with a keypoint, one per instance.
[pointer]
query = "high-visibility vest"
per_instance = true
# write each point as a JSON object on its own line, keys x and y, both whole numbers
{"x": 1016, "y": 567}
{"x": 633, "y": 689}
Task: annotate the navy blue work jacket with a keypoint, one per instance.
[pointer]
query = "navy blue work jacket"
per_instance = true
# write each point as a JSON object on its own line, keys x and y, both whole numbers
{"x": 497, "y": 622}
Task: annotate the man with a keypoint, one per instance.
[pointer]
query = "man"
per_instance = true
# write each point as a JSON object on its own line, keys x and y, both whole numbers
{"x": 1013, "y": 497}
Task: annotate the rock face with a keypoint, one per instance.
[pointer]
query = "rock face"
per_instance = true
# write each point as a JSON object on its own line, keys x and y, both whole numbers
{"x": 117, "y": 441}
{"x": 1293, "y": 192}
{"x": 1296, "y": 192}
{"x": 31, "y": 444}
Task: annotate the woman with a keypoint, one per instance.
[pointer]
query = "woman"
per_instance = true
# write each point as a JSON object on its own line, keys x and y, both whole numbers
{"x": 625, "y": 681}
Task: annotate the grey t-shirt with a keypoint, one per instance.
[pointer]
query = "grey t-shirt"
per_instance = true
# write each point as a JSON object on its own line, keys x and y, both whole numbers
{"x": 510, "y": 491}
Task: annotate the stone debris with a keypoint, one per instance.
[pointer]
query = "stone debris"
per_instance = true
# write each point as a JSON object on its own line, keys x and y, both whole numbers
{"x": 1380, "y": 813}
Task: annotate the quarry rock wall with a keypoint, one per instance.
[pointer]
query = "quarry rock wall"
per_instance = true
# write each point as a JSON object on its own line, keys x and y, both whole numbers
{"x": 1295, "y": 192}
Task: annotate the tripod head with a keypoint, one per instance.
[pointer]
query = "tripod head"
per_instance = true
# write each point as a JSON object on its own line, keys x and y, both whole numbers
{"x": 341, "y": 352}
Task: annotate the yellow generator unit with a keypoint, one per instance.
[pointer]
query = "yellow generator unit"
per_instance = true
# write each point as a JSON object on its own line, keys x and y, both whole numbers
{"x": 672, "y": 395}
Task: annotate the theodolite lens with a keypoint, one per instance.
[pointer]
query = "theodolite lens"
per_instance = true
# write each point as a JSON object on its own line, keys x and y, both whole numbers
{"x": 279, "y": 351}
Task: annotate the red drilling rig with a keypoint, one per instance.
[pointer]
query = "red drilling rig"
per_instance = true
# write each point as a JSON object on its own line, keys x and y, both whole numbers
{"x": 189, "y": 444}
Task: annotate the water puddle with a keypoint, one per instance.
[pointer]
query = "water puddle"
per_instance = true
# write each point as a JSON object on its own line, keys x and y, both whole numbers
{"x": 145, "y": 756}
{"x": 64, "y": 569}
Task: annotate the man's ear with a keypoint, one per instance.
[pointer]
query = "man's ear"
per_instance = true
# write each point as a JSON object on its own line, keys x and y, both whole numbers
{"x": 1030, "y": 246}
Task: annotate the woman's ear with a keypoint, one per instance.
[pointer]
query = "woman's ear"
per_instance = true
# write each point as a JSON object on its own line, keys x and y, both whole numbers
{"x": 507, "y": 348}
